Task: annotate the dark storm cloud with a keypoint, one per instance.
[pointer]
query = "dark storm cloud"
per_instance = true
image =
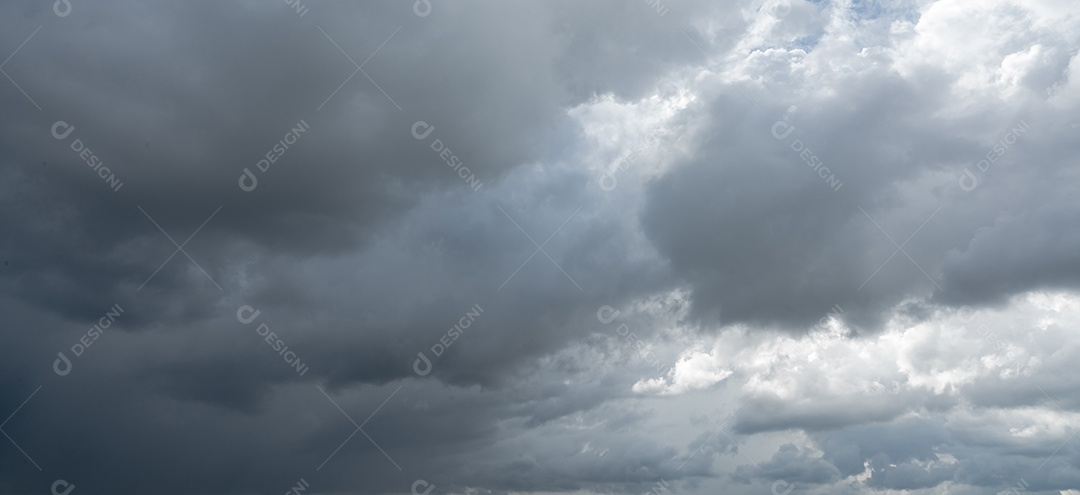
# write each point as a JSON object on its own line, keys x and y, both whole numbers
{"x": 177, "y": 101}
{"x": 766, "y": 237}
{"x": 175, "y": 117}
{"x": 313, "y": 277}
{"x": 1020, "y": 251}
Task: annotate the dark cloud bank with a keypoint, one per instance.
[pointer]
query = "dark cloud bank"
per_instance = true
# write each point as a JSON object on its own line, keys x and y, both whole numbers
{"x": 548, "y": 247}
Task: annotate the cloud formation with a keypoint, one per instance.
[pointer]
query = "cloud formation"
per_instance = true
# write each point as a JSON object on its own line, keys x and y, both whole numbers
{"x": 615, "y": 247}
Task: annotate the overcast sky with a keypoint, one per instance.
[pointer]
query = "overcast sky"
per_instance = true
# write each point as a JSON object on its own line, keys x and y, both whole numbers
{"x": 680, "y": 247}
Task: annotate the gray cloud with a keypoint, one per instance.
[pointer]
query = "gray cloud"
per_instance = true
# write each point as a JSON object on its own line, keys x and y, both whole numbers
{"x": 426, "y": 253}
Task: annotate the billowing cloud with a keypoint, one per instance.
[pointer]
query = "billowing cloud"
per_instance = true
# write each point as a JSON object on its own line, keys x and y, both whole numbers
{"x": 615, "y": 247}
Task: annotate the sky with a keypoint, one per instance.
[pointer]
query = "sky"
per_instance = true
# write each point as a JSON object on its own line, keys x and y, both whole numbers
{"x": 671, "y": 247}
